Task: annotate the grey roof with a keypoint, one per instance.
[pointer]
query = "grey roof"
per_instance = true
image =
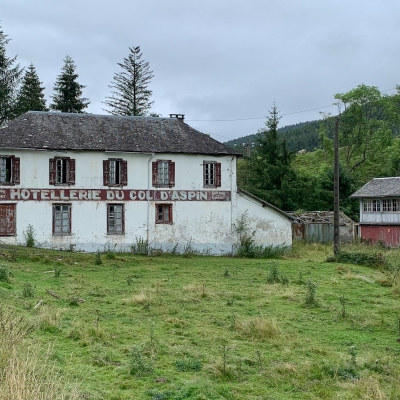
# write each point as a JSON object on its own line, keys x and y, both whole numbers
{"x": 64, "y": 131}
{"x": 380, "y": 187}
{"x": 319, "y": 217}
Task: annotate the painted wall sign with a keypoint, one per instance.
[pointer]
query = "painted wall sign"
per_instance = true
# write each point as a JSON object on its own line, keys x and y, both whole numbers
{"x": 14, "y": 194}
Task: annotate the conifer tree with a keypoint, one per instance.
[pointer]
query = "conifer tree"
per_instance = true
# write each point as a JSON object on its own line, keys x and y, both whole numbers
{"x": 130, "y": 94}
{"x": 68, "y": 91}
{"x": 30, "y": 96}
{"x": 10, "y": 76}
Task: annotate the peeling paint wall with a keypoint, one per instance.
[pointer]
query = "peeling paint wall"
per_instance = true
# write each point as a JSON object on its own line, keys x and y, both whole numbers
{"x": 203, "y": 223}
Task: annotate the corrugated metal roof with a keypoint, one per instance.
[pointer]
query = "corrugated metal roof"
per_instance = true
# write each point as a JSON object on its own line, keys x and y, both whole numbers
{"x": 379, "y": 187}
{"x": 64, "y": 131}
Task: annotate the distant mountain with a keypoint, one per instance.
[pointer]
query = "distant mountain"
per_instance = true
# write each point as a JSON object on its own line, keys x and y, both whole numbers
{"x": 303, "y": 135}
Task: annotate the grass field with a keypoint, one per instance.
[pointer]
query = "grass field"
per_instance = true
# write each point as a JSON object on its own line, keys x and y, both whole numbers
{"x": 173, "y": 327}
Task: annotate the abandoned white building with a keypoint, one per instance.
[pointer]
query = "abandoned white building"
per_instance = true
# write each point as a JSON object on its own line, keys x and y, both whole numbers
{"x": 93, "y": 182}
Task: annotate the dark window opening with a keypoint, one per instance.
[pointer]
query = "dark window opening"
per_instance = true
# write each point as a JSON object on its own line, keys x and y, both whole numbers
{"x": 61, "y": 171}
{"x": 211, "y": 174}
{"x": 9, "y": 170}
{"x": 115, "y": 172}
{"x": 163, "y": 213}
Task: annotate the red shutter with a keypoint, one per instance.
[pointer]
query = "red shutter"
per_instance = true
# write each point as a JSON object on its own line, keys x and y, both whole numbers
{"x": 154, "y": 172}
{"x": 52, "y": 171}
{"x": 217, "y": 174}
{"x": 16, "y": 170}
{"x": 170, "y": 213}
{"x": 7, "y": 219}
{"x": 106, "y": 172}
{"x": 171, "y": 171}
{"x": 71, "y": 171}
{"x": 123, "y": 172}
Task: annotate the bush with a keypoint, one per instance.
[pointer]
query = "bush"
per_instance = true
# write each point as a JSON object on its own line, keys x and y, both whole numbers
{"x": 375, "y": 260}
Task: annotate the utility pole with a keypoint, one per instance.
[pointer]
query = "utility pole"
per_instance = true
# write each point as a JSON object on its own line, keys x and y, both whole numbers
{"x": 336, "y": 235}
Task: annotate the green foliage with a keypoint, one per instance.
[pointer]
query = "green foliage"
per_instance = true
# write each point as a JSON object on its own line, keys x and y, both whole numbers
{"x": 130, "y": 94}
{"x": 97, "y": 259}
{"x": 67, "y": 91}
{"x": 189, "y": 365}
{"x": 375, "y": 260}
{"x": 141, "y": 363}
{"x": 30, "y": 96}
{"x": 57, "y": 271}
{"x": 28, "y": 289}
{"x": 30, "y": 236}
{"x": 4, "y": 274}
{"x": 141, "y": 246}
{"x": 310, "y": 300}
{"x": 273, "y": 276}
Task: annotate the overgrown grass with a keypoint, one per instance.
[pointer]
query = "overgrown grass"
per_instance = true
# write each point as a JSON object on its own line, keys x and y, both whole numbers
{"x": 174, "y": 327}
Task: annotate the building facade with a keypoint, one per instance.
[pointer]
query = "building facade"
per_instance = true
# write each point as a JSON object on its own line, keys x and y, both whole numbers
{"x": 90, "y": 182}
{"x": 380, "y": 211}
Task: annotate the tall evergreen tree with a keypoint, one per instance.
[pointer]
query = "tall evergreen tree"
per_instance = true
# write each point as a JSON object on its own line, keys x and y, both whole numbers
{"x": 68, "y": 91}
{"x": 30, "y": 96}
{"x": 130, "y": 94}
{"x": 10, "y": 76}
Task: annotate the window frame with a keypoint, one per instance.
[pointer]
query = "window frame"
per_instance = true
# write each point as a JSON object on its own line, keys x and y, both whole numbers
{"x": 216, "y": 172}
{"x": 169, "y": 213}
{"x": 13, "y": 225}
{"x": 69, "y": 205}
{"x": 120, "y": 171}
{"x": 68, "y": 166}
{"x": 14, "y": 174}
{"x": 170, "y": 174}
{"x": 114, "y": 232}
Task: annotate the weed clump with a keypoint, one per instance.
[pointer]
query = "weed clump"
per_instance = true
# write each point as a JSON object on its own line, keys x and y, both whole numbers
{"x": 28, "y": 289}
{"x": 310, "y": 300}
{"x": 30, "y": 236}
{"x": 374, "y": 260}
{"x": 97, "y": 259}
{"x": 274, "y": 276}
{"x": 4, "y": 274}
{"x": 140, "y": 364}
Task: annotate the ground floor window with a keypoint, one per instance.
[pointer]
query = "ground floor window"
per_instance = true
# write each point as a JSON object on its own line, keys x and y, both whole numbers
{"x": 163, "y": 213}
{"x": 7, "y": 219}
{"x": 115, "y": 219}
{"x": 61, "y": 219}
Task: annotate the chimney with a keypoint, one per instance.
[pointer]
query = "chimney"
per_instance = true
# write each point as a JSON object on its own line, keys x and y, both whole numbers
{"x": 181, "y": 117}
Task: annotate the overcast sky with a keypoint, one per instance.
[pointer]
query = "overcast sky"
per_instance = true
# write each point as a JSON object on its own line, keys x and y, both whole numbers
{"x": 215, "y": 59}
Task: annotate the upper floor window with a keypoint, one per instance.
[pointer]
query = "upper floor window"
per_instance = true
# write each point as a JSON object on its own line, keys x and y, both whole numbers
{"x": 115, "y": 219}
{"x": 163, "y": 173}
{"x": 389, "y": 205}
{"x": 211, "y": 174}
{"x": 61, "y": 171}
{"x": 115, "y": 172}
{"x": 9, "y": 170}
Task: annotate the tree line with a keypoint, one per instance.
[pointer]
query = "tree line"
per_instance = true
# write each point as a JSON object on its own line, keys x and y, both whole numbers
{"x": 368, "y": 122}
{"x": 21, "y": 89}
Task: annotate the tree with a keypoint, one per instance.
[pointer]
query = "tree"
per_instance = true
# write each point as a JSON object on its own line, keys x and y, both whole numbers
{"x": 268, "y": 171}
{"x": 130, "y": 94}
{"x": 30, "y": 96}
{"x": 364, "y": 125}
{"x": 10, "y": 76}
{"x": 68, "y": 91}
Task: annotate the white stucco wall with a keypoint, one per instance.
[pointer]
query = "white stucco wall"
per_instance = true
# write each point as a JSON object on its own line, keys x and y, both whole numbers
{"x": 207, "y": 226}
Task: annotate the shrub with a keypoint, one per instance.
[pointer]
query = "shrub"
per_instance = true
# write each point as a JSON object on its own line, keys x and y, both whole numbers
{"x": 30, "y": 236}
{"x": 28, "y": 290}
{"x": 140, "y": 364}
{"x": 4, "y": 274}
{"x": 375, "y": 260}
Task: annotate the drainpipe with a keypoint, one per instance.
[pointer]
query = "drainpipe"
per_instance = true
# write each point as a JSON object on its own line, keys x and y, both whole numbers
{"x": 231, "y": 171}
{"x": 149, "y": 180}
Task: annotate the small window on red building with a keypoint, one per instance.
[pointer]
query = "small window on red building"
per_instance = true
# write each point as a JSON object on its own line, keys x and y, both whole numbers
{"x": 61, "y": 171}
{"x": 163, "y": 213}
{"x": 211, "y": 174}
{"x": 7, "y": 220}
{"x": 163, "y": 173}
{"x": 115, "y": 172}
{"x": 9, "y": 170}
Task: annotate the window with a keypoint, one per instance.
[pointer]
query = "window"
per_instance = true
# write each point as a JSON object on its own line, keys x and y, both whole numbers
{"x": 211, "y": 174}
{"x": 163, "y": 213}
{"x": 163, "y": 173}
{"x": 115, "y": 172}
{"x": 367, "y": 205}
{"x": 61, "y": 219}
{"x": 376, "y": 205}
{"x": 115, "y": 219}
{"x": 61, "y": 171}
{"x": 9, "y": 170}
{"x": 7, "y": 220}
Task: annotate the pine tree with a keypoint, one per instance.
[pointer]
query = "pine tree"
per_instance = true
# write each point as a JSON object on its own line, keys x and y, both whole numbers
{"x": 30, "y": 96}
{"x": 131, "y": 95}
{"x": 68, "y": 91}
{"x": 9, "y": 80}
